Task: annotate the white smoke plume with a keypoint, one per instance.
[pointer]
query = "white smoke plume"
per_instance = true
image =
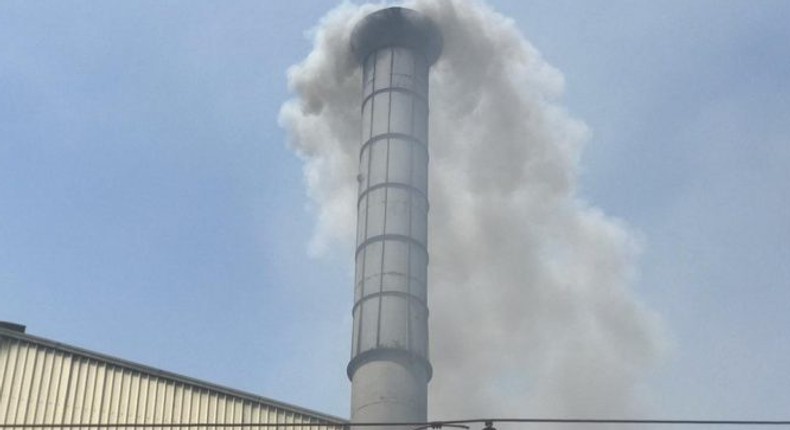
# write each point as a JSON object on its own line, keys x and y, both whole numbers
{"x": 531, "y": 311}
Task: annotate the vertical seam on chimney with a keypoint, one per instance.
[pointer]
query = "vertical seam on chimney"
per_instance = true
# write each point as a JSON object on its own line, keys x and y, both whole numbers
{"x": 386, "y": 200}
{"x": 359, "y": 321}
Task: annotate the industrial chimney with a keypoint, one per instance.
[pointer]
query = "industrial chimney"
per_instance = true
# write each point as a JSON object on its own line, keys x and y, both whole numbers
{"x": 389, "y": 367}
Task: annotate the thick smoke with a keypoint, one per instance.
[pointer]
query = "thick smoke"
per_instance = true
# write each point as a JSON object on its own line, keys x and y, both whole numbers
{"x": 531, "y": 311}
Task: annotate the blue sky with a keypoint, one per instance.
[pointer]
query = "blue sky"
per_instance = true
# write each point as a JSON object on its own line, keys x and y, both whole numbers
{"x": 150, "y": 209}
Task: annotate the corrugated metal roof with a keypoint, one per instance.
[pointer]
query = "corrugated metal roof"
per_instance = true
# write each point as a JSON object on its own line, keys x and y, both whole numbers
{"x": 33, "y": 362}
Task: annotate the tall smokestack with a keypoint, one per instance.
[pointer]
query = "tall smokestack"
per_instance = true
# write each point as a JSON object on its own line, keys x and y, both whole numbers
{"x": 389, "y": 367}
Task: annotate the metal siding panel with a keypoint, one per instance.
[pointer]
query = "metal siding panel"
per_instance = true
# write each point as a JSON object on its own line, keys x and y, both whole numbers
{"x": 205, "y": 397}
{"x": 21, "y": 384}
{"x": 64, "y": 386}
{"x": 134, "y": 396}
{"x": 97, "y": 391}
{"x": 42, "y": 384}
{"x": 18, "y": 383}
{"x": 159, "y": 405}
{"x": 212, "y": 408}
{"x": 75, "y": 371}
{"x": 34, "y": 381}
{"x": 126, "y": 394}
{"x": 10, "y": 375}
{"x": 190, "y": 405}
{"x": 126, "y": 398}
{"x": 109, "y": 412}
{"x": 4, "y": 356}
{"x": 142, "y": 403}
{"x": 106, "y": 397}
{"x": 156, "y": 402}
{"x": 53, "y": 396}
{"x": 90, "y": 392}
{"x": 238, "y": 411}
{"x": 178, "y": 400}
{"x": 136, "y": 399}
{"x": 186, "y": 397}
{"x": 53, "y": 387}
{"x": 87, "y": 390}
{"x": 221, "y": 405}
{"x": 167, "y": 401}
{"x": 25, "y": 384}
{"x": 43, "y": 393}
{"x": 280, "y": 418}
{"x": 269, "y": 416}
{"x": 182, "y": 404}
{"x": 114, "y": 416}
{"x": 97, "y": 402}
{"x": 194, "y": 406}
{"x": 148, "y": 392}
{"x": 230, "y": 413}
{"x": 79, "y": 394}
{"x": 246, "y": 414}
{"x": 256, "y": 413}
{"x": 289, "y": 417}
{"x": 114, "y": 400}
{"x": 167, "y": 417}
{"x": 230, "y": 407}
{"x": 137, "y": 405}
{"x": 150, "y": 400}
{"x": 164, "y": 400}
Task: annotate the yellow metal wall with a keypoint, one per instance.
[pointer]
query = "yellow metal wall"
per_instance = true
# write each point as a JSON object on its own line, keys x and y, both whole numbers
{"x": 41, "y": 384}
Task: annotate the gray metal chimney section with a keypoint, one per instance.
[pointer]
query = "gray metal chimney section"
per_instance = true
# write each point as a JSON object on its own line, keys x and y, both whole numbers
{"x": 389, "y": 367}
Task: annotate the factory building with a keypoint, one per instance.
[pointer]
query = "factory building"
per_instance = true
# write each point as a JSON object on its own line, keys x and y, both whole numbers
{"x": 46, "y": 382}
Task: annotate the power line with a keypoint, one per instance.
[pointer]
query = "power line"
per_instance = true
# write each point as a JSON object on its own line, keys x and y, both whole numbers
{"x": 488, "y": 422}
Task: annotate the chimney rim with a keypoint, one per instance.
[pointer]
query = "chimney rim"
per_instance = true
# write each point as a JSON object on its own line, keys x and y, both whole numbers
{"x": 396, "y": 26}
